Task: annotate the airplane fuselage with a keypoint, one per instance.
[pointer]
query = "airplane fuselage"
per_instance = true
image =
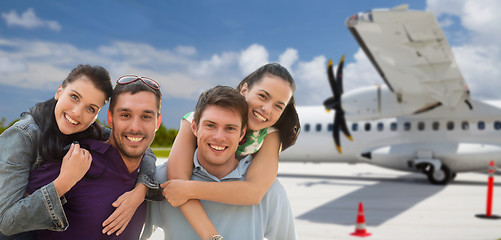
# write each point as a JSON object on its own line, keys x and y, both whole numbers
{"x": 462, "y": 139}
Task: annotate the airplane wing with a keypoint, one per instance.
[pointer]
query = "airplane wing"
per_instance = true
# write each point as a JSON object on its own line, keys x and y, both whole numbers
{"x": 411, "y": 53}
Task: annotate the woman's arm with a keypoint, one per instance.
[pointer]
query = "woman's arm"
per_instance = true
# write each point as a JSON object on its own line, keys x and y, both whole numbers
{"x": 180, "y": 163}
{"x": 260, "y": 176}
{"x": 42, "y": 209}
{"x": 180, "y": 166}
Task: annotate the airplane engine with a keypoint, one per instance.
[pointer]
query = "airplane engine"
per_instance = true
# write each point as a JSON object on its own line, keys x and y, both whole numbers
{"x": 379, "y": 102}
{"x": 448, "y": 157}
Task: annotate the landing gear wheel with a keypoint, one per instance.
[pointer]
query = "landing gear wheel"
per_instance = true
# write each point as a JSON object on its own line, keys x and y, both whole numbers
{"x": 441, "y": 176}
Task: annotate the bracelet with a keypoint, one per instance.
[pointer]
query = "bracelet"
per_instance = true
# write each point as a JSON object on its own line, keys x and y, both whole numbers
{"x": 216, "y": 237}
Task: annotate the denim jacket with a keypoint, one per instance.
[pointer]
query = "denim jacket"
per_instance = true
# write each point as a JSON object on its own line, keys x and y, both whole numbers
{"x": 43, "y": 208}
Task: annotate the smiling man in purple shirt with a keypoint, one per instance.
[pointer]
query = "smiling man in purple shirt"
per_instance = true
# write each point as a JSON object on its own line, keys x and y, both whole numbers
{"x": 134, "y": 116}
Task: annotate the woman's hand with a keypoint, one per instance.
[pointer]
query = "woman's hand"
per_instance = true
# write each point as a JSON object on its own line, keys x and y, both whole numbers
{"x": 176, "y": 191}
{"x": 126, "y": 206}
{"x": 75, "y": 164}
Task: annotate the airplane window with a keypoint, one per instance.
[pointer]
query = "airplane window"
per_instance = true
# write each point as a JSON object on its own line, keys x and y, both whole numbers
{"x": 420, "y": 126}
{"x": 407, "y": 126}
{"x": 393, "y": 126}
{"x": 497, "y": 125}
{"x": 481, "y": 125}
{"x": 330, "y": 127}
{"x": 450, "y": 125}
{"x": 319, "y": 127}
{"x": 435, "y": 126}
{"x": 307, "y": 127}
{"x": 380, "y": 126}
{"x": 367, "y": 127}
{"x": 354, "y": 127}
{"x": 465, "y": 125}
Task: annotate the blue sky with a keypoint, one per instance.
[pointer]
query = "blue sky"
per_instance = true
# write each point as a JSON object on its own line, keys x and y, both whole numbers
{"x": 189, "y": 46}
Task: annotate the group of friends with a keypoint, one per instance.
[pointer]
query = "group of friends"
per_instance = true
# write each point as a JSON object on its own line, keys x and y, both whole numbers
{"x": 65, "y": 176}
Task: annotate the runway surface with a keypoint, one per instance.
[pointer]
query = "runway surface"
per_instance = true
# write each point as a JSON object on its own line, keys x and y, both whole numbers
{"x": 397, "y": 205}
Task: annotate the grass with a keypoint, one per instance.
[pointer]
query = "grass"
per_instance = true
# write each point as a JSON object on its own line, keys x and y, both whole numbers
{"x": 161, "y": 152}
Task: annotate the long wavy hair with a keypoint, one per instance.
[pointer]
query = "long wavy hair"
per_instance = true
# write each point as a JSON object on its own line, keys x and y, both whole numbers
{"x": 52, "y": 141}
{"x": 288, "y": 124}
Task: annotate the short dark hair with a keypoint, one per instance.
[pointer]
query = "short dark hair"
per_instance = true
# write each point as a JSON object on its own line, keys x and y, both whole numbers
{"x": 133, "y": 88}
{"x": 222, "y": 96}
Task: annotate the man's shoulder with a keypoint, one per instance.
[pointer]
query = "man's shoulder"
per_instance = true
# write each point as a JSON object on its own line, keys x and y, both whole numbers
{"x": 276, "y": 193}
{"x": 94, "y": 145}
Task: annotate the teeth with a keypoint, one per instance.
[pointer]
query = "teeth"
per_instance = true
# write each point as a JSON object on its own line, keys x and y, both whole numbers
{"x": 218, "y": 148}
{"x": 260, "y": 117}
{"x": 70, "y": 120}
{"x": 134, "y": 139}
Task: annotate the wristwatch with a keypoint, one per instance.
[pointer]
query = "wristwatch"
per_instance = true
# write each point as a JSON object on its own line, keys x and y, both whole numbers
{"x": 216, "y": 237}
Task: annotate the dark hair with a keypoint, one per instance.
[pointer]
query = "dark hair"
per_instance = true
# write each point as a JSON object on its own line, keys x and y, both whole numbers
{"x": 288, "y": 124}
{"x": 52, "y": 140}
{"x": 96, "y": 74}
{"x": 133, "y": 88}
{"x": 222, "y": 96}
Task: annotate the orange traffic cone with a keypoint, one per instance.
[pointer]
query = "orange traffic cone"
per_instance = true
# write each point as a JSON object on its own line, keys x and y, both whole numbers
{"x": 360, "y": 230}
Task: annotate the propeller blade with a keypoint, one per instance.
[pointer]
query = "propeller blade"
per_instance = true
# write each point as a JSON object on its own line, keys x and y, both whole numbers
{"x": 335, "y": 132}
{"x": 344, "y": 127}
{"x": 339, "y": 75}
{"x": 334, "y": 102}
{"x": 332, "y": 78}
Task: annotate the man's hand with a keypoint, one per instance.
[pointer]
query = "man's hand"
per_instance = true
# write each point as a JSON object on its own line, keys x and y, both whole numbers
{"x": 176, "y": 191}
{"x": 126, "y": 206}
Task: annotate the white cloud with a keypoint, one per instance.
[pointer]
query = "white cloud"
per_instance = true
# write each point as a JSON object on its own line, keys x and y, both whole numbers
{"x": 311, "y": 81}
{"x": 186, "y": 50}
{"x": 43, "y": 65}
{"x": 480, "y": 17}
{"x": 29, "y": 20}
{"x": 288, "y": 58}
{"x": 9, "y": 65}
{"x": 252, "y": 58}
{"x": 480, "y": 66}
{"x": 478, "y": 55}
{"x": 360, "y": 73}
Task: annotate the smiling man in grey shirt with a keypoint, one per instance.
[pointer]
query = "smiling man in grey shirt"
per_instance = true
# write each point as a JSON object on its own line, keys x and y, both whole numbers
{"x": 219, "y": 128}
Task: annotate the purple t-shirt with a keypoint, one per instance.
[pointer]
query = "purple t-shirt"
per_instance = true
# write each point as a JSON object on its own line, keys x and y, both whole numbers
{"x": 89, "y": 201}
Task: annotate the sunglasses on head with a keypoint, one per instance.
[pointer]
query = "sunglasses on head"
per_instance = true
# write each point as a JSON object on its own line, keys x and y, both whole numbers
{"x": 131, "y": 78}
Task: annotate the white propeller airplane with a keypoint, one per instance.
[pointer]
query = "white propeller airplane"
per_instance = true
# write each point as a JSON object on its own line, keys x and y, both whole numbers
{"x": 423, "y": 118}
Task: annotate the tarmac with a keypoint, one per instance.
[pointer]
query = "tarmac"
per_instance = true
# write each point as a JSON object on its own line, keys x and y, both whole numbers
{"x": 397, "y": 205}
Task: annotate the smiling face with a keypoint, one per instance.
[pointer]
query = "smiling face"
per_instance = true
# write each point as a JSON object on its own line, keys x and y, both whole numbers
{"x": 134, "y": 120}
{"x": 218, "y": 133}
{"x": 77, "y": 105}
{"x": 267, "y": 100}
